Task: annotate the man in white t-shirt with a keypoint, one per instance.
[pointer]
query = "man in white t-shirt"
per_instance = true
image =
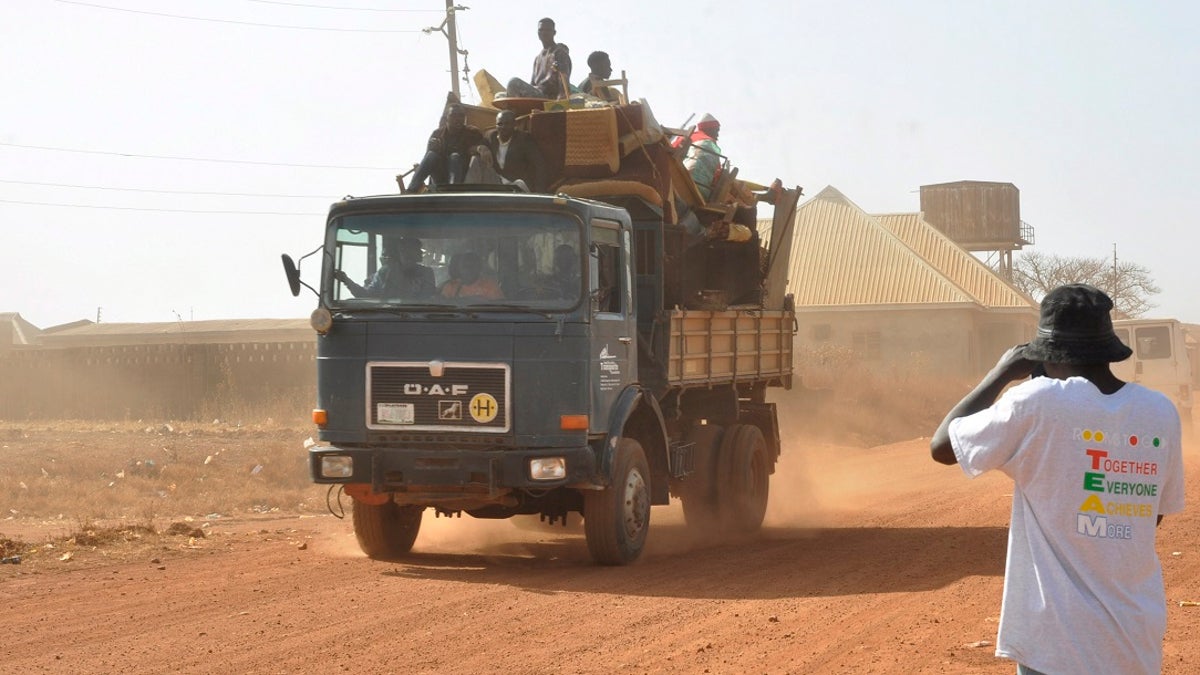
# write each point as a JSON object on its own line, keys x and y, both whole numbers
{"x": 1096, "y": 463}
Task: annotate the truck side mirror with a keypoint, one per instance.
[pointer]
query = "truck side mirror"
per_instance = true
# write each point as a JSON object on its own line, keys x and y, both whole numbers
{"x": 293, "y": 274}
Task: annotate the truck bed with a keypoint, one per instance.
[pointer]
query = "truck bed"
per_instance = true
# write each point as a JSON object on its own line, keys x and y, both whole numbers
{"x": 739, "y": 346}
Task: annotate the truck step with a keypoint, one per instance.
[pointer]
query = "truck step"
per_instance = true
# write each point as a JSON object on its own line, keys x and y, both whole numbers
{"x": 681, "y": 458}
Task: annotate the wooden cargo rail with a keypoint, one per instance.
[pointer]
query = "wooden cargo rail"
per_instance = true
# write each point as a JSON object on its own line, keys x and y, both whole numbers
{"x": 719, "y": 347}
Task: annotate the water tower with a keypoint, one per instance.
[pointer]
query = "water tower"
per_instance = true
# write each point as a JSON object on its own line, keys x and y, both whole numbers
{"x": 981, "y": 217}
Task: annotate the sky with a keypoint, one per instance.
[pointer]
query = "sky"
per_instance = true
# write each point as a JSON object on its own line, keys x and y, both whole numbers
{"x": 157, "y": 156}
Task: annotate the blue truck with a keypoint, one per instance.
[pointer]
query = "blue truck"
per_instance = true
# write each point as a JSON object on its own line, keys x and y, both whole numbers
{"x": 486, "y": 351}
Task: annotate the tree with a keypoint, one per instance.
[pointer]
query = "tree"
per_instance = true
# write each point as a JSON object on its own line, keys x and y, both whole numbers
{"x": 1127, "y": 283}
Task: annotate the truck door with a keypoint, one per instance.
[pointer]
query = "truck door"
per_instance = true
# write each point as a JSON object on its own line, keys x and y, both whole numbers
{"x": 614, "y": 355}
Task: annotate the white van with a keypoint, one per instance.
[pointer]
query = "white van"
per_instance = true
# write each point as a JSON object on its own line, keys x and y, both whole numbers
{"x": 1164, "y": 358}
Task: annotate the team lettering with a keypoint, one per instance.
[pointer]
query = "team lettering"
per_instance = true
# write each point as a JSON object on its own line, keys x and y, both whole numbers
{"x": 1100, "y": 462}
{"x": 1097, "y": 526}
{"x": 1128, "y": 509}
{"x": 1097, "y": 482}
{"x": 1094, "y": 513}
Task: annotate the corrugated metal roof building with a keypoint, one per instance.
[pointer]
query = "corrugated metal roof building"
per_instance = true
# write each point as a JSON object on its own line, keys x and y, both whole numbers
{"x": 897, "y": 293}
{"x": 16, "y": 331}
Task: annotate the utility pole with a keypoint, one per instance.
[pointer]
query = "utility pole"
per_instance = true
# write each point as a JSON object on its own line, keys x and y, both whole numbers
{"x": 450, "y": 30}
{"x": 1114, "y": 261}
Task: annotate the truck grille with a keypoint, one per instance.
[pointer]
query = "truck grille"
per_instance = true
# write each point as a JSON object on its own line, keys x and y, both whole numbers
{"x": 437, "y": 396}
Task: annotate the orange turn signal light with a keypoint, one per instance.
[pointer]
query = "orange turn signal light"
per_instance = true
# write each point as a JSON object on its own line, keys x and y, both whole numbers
{"x": 573, "y": 422}
{"x": 320, "y": 417}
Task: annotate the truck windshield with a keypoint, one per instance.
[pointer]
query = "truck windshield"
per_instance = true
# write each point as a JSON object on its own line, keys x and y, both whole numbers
{"x": 479, "y": 260}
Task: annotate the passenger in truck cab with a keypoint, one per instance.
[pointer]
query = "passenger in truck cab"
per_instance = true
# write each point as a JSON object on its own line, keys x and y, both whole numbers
{"x": 400, "y": 273}
{"x": 467, "y": 279}
{"x": 566, "y": 271}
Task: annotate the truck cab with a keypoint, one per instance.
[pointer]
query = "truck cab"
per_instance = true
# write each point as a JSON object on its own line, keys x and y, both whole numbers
{"x": 508, "y": 297}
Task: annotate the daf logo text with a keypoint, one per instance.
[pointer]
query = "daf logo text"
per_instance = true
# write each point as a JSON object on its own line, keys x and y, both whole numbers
{"x": 435, "y": 390}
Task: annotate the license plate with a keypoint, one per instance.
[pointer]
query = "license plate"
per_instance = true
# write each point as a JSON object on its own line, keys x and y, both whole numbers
{"x": 394, "y": 413}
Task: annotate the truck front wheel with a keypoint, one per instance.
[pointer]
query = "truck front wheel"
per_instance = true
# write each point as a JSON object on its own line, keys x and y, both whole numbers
{"x": 616, "y": 519}
{"x": 744, "y": 478}
{"x": 386, "y": 531}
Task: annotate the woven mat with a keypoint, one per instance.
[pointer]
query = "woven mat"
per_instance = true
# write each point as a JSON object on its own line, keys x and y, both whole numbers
{"x": 591, "y": 141}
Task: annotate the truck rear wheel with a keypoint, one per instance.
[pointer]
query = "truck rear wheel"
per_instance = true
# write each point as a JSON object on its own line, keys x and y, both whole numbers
{"x": 699, "y": 489}
{"x": 617, "y": 519}
{"x": 387, "y": 530}
{"x": 743, "y": 481}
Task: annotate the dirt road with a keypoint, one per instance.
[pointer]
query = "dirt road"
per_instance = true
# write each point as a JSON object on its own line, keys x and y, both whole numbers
{"x": 873, "y": 561}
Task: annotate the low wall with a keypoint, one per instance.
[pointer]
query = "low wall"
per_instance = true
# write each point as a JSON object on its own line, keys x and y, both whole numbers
{"x": 158, "y": 381}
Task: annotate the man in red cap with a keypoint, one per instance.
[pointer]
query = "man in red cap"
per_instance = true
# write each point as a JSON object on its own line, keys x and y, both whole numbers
{"x": 704, "y": 157}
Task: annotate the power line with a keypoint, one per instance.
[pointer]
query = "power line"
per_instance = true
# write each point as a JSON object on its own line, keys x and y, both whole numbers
{"x": 138, "y": 208}
{"x": 165, "y": 192}
{"x": 231, "y": 21}
{"x": 351, "y": 9}
{"x": 195, "y": 159}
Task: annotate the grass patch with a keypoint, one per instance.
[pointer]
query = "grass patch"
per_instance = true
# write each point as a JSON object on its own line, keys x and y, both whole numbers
{"x": 11, "y": 547}
{"x": 139, "y": 471}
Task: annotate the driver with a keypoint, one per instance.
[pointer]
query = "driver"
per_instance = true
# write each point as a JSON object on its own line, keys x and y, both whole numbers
{"x": 400, "y": 272}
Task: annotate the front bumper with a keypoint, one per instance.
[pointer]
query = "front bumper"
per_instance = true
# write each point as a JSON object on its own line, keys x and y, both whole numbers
{"x": 451, "y": 470}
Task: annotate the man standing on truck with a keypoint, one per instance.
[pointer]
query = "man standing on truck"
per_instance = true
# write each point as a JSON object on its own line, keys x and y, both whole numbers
{"x": 1095, "y": 462}
{"x": 551, "y": 68}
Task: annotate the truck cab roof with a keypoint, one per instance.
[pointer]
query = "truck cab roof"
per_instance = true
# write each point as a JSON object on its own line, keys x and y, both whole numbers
{"x": 491, "y": 200}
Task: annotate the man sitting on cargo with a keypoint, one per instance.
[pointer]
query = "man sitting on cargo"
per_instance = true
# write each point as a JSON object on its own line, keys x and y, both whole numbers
{"x": 449, "y": 150}
{"x": 468, "y": 281}
{"x": 703, "y": 159}
{"x": 512, "y": 156}
{"x": 551, "y": 68}
{"x": 400, "y": 273}
{"x": 601, "y": 70}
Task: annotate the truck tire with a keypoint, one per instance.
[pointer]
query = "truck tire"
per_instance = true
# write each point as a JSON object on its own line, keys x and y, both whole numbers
{"x": 743, "y": 480}
{"x": 698, "y": 491}
{"x": 616, "y": 519}
{"x": 386, "y": 531}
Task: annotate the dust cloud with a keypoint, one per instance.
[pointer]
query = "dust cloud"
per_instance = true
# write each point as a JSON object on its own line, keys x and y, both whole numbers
{"x": 827, "y": 475}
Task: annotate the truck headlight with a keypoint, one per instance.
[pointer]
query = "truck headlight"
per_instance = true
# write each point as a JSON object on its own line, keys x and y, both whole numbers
{"x": 321, "y": 320}
{"x": 337, "y": 466}
{"x": 548, "y": 468}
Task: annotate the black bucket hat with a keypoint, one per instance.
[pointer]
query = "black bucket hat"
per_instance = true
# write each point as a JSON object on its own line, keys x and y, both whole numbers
{"x": 1076, "y": 328}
